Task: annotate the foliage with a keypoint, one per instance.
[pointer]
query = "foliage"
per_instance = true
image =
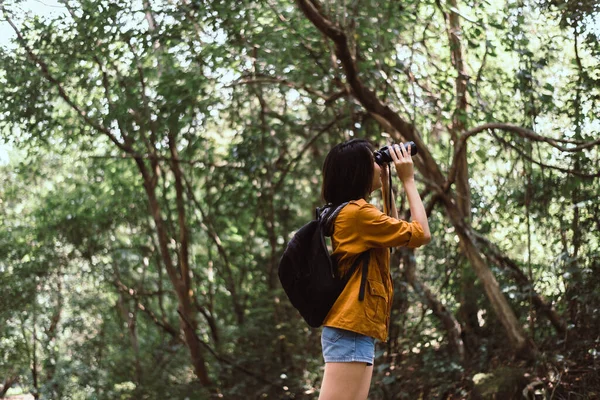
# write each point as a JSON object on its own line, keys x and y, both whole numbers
{"x": 223, "y": 112}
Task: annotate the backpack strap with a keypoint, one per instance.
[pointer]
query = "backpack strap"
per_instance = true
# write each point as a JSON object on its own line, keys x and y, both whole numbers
{"x": 365, "y": 258}
{"x": 326, "y": 216}
{"x": 363, "y": 279}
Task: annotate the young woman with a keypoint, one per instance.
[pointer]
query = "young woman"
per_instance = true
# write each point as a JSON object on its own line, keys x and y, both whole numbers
{"x": 350, "y": 173}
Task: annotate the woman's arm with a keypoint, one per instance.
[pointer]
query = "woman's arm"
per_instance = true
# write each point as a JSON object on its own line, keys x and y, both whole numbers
{"x": 405, "y": 170}
{"x": 417, "y": 210}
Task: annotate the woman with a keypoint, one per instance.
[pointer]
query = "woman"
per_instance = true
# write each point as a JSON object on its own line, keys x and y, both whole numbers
{"x": 350, "y": 173}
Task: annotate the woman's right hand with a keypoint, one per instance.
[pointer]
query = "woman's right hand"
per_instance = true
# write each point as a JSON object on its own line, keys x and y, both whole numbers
{"x": 403, "y": 162}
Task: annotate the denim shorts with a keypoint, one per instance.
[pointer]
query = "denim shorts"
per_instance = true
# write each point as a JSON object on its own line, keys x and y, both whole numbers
{"x": 340, "y": 345}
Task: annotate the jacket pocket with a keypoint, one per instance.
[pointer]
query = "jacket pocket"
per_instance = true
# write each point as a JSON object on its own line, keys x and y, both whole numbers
{"x": 376, "y": 301}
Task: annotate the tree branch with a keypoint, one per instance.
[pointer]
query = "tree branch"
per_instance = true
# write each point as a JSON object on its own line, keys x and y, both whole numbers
{"x": 539, "y": 301}
{"x": 181, "y": 211}
{"x": 428, "y": 298}
{"x": 225, "y": 360}
{"x": 134, "y": 295}
{"x": 389, "y": 119}
{"x": 313, "y": 54}
{"x": 63, "y": 94}
{"x": 206, "y": 223}
{"x": 327, "y": 97}
{"x": 524, "y": 133}
{"x": 541, "y": 164}
{"x": 306, "y": 146}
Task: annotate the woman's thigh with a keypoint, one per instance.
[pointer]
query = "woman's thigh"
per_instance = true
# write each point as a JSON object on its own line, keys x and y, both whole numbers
{"x": 346, "y": 380}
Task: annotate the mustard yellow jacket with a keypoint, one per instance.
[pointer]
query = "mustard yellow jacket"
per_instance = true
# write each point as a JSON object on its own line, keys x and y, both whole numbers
{"x": 359, "y": 227}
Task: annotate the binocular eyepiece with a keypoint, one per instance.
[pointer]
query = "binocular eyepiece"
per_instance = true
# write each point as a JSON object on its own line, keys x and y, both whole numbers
{"x": 382, "y": 156}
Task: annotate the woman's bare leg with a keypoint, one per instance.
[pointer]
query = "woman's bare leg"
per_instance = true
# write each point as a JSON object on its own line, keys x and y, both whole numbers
{"x": 363, "y": 393}
{"x": 343, "y": 381}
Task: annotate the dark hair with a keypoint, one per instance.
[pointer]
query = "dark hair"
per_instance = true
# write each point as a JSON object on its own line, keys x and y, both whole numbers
{"x": 348, "y": 171}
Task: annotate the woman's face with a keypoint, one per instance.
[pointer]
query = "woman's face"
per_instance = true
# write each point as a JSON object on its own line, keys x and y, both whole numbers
{"x": 376, "y": 177}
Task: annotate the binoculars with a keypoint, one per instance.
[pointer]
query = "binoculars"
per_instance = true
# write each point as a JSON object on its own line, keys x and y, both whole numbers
{"x": 382, "y": 156}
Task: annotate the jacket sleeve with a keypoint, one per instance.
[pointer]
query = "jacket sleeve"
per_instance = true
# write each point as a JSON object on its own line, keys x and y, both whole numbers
{"x": 380, "y": 230}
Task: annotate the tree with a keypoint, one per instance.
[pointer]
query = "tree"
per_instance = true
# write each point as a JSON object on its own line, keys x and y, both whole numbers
{"x": 168, "y": 153}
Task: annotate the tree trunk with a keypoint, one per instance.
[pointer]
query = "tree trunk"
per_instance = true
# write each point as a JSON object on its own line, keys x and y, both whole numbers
{"x": 34, "y": 361}
{"x": 187, "y": 318}
{"x": 468, "y": 309}
{"x": 130, "y": 316}
{"x": 468, "y": 295}
{"x": 8, "y": 382}
{"x": 543, "y": 307}
{"x": 187, "y": 315}
{"x": 51, "y": 334}
{"x": 521, "y": 345}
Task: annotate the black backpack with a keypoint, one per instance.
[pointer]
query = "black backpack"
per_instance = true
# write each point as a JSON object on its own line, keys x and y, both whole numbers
{"x": 309, "y": 275}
